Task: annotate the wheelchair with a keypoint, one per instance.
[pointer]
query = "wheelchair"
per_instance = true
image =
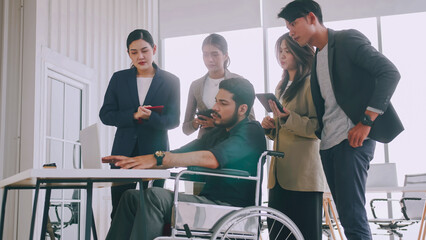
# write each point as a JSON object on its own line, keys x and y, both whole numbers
{"x": 196, "y": 221}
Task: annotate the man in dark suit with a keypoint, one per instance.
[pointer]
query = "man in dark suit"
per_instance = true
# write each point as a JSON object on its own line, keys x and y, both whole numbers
{"x": 351, "y": 84}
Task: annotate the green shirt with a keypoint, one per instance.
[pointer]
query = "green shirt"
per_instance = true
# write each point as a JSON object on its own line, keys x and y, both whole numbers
{"x": 240, "y": 149}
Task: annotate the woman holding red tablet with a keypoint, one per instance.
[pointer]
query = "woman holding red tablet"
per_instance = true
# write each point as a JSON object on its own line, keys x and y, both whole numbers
{"x": 133, "y": 103}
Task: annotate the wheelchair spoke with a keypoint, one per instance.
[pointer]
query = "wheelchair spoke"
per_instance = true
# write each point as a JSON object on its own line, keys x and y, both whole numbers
{"x": 249, "y": 223}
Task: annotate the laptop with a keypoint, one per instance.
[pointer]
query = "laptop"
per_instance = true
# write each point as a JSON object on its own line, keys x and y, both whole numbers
{"x": 90, "y": 148}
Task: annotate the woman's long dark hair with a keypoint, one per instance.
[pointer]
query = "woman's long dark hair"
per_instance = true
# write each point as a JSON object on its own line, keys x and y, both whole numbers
{"x": 304, "y": 57}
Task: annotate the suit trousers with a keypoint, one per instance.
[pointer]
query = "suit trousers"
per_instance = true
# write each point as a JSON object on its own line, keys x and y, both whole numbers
{"x": 117, "y": 191}
{"x": 158, "y": 207}
{"x": 346, "y": 168}
{"x": 303, "y": 208}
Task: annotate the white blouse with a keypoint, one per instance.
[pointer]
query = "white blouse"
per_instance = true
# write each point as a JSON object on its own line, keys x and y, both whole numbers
{"x": 211, "y": 87}
{"x": 143, "y": 87}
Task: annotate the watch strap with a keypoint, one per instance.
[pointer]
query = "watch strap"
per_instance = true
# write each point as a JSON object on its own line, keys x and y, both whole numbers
{"x": 366, "y": 120}
{"x": 159, "y": 155}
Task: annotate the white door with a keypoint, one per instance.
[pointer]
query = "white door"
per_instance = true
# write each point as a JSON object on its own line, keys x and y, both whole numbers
{"x": 64, "y": 120}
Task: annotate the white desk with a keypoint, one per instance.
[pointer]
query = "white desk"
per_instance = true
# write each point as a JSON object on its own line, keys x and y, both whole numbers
{"x": 396, "y": 189}
{"x": 72, "y": 179}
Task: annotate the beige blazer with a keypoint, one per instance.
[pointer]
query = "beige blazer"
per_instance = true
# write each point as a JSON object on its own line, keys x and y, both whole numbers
{"x": 195, "y": 101}
{"x": 301, "y": 168}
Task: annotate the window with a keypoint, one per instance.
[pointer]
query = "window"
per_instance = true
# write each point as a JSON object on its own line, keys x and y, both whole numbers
{"x": 400, "y": 46}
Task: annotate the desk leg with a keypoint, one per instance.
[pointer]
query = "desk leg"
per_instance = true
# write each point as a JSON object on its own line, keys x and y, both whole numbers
{"x": 422, "y": 223}
{"x": 37, "y": 190}
{"x": 142, "y": 207}
{"x": 95, "y": 235}
{"x": 326, "y": 207}
{"x": 45, "y": 213}
{"x": 335, "y": 217}
{"x": 3, "y": 212}
{"x": 89, "y": 212}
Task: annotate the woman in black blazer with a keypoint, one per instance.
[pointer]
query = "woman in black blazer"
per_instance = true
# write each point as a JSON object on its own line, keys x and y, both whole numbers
{"x": 130, "y": 92}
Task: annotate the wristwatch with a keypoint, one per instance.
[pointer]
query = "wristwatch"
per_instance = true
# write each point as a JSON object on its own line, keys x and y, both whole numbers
{"x": 366, "y": 120}
{"x": 159, "y": 155}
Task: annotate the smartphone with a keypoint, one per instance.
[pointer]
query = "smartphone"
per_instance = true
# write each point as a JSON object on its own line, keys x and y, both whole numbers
{"x": 265, "y": 97}
{"x": 109, "y": 161}
{"x": 158, "y": 109}
{"x": 206, "y": 113}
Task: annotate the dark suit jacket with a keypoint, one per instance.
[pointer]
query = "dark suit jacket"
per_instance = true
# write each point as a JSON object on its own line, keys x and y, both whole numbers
{"x": 361, "y": 77}
{"x": 121, "y": 101}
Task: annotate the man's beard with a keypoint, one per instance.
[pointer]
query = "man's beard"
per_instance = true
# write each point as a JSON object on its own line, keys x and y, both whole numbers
{"x": 230, "y": 123}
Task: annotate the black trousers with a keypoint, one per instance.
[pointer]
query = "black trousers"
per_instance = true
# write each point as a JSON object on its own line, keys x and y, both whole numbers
{"x": 117, "y": 191}
{"x": 346, "y": 170}
{"x": 304, "y": 208}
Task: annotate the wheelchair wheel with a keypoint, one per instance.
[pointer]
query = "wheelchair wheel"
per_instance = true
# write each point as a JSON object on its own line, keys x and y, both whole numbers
{"x": 251, "y": 223}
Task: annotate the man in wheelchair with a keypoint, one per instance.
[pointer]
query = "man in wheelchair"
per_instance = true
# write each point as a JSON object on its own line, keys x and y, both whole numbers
{"x": 235, "y": 143}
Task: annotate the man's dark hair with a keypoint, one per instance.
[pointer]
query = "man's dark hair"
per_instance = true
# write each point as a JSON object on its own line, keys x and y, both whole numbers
{"x": 300, "y": 8}
{"x": 242, "y": 90}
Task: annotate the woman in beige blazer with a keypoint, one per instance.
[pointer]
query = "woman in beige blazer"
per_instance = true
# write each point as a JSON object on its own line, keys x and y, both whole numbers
{"x": 202, "y": 91}
{"x": 296, "y": 182}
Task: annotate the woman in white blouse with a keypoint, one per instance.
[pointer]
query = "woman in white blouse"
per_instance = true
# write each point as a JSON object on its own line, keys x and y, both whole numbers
{"x": 140, "y": 129}
{"x": 203, "y": 91}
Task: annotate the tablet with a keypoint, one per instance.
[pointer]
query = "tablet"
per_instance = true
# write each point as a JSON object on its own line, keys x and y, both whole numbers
{"x": 265, "y": 97}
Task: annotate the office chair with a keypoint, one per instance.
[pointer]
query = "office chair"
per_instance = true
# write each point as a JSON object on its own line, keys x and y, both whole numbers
{"x": 57, "y": 223}
{"x": 412, "y": 204}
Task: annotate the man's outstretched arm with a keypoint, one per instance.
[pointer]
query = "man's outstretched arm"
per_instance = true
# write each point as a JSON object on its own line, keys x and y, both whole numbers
{"x": 198, "y": 158}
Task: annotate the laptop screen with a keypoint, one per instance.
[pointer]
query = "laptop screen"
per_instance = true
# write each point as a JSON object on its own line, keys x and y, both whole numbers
{"x": 90, "y": 147}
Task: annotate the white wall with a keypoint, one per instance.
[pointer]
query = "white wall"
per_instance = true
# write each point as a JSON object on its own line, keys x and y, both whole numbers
{"x": 91, "y": 33}
{"x": 10, "y": 101}
{"x": 190, "y": 17}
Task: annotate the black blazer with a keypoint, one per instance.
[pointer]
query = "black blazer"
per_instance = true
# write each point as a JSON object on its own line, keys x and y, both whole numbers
{"x": 361, "y": 77}
{"x": 121, "y": 101}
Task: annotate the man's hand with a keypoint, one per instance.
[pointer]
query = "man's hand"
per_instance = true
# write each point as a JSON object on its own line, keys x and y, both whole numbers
{"x": 195, "y": 123}
{"x": 205, "y": 122}
{"x": 140, "y": 162}
{"x": 358, "y": 134}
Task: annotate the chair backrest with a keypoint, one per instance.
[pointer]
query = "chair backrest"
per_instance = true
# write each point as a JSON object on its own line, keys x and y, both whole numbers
{"x": 382, "y": 175}
{"x": 414, "y": 208}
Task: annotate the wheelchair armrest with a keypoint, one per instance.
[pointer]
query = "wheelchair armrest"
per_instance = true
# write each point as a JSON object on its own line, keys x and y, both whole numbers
{"x": 225, "y": 171}
{"x": 404, "y": 207}
{"x": 374, "y": 200}
{"x": 275, "y": 154}
{"x": 195, "y": 173}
